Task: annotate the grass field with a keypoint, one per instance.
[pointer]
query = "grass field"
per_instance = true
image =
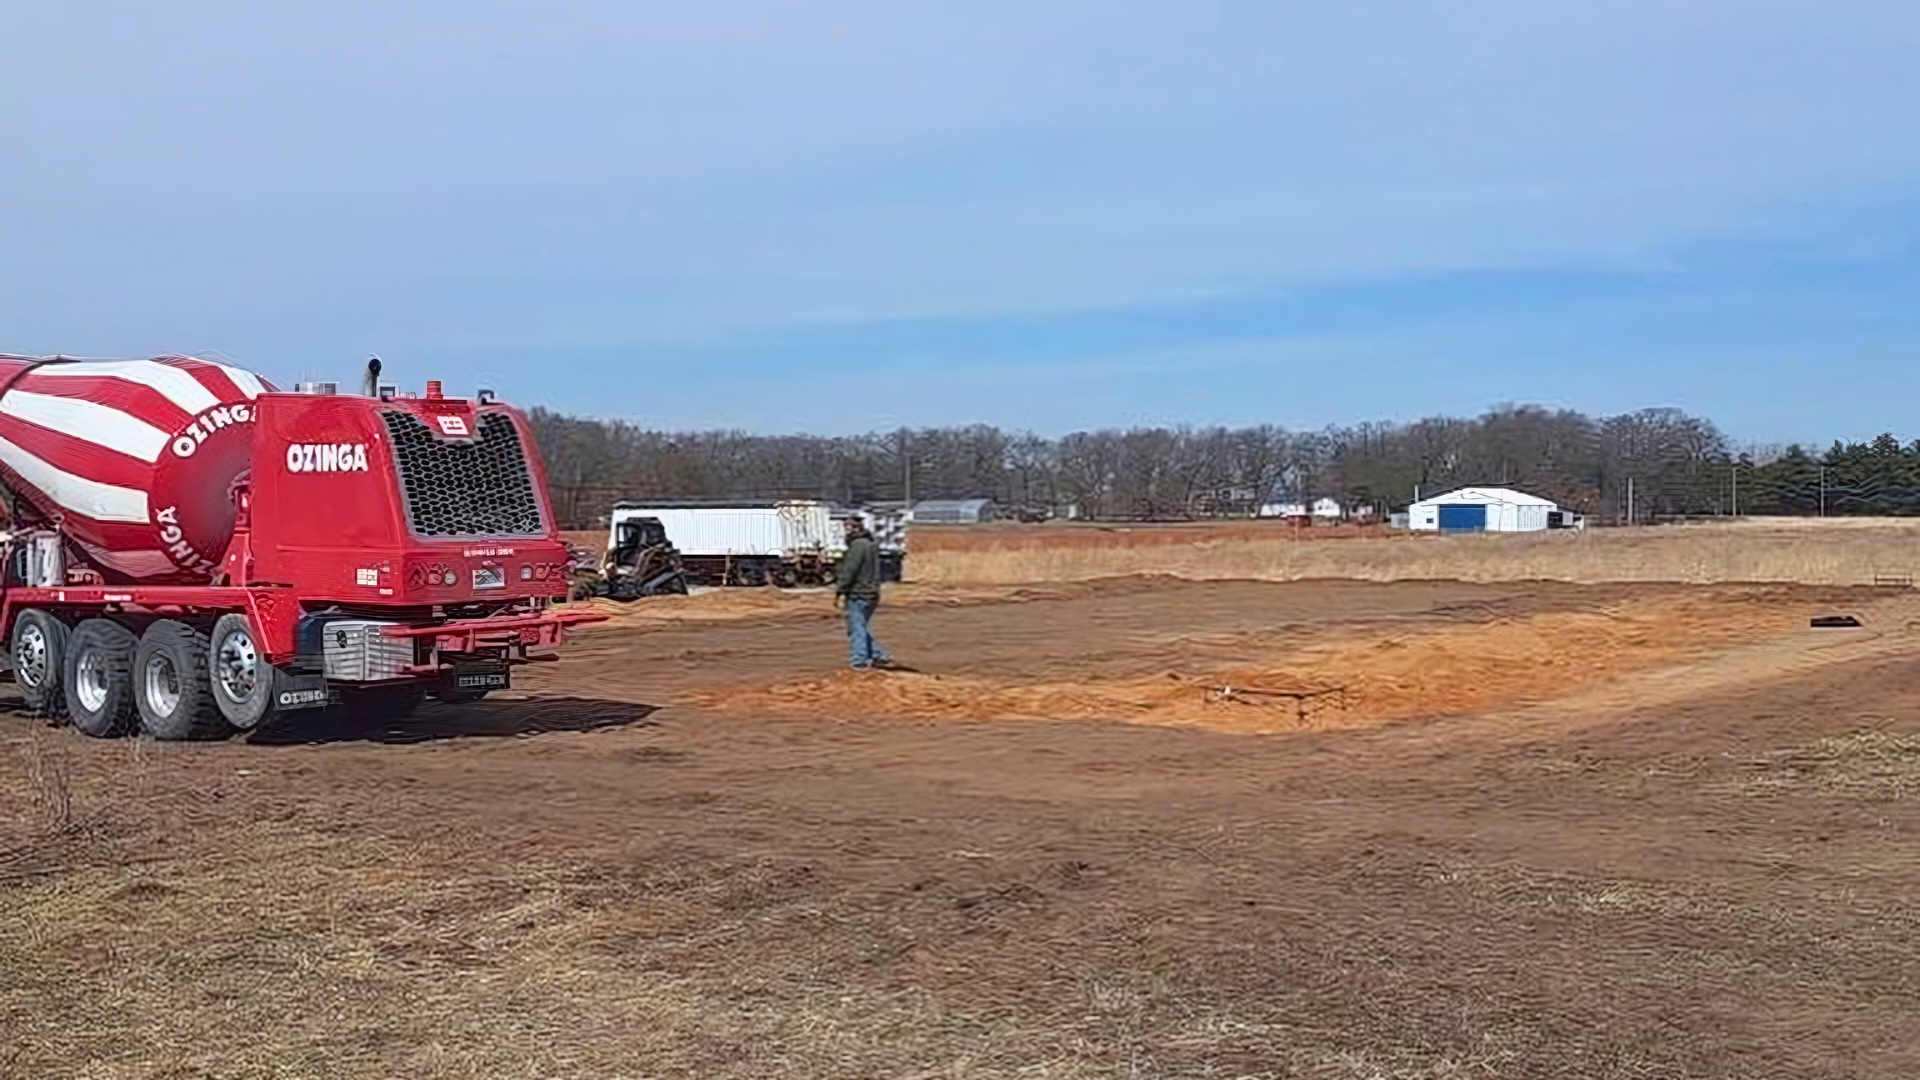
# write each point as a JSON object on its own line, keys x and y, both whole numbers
{"x": 1812, "y": 551}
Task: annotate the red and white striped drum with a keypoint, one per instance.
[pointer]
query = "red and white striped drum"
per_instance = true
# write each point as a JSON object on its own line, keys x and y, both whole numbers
{"x": 136, "y": 459}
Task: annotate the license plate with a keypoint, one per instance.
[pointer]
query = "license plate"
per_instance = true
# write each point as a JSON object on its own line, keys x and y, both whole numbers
{"x": 480, "y": 677}
{"x": 489, "y": 577}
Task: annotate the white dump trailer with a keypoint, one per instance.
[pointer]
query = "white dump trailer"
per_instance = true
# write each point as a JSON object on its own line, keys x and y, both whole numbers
{"x": 887, "y": 522}
{"x": 790, "y": 542}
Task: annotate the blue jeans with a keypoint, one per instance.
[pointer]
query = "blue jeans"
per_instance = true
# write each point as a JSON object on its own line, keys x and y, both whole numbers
{"x": 862, "y": 650}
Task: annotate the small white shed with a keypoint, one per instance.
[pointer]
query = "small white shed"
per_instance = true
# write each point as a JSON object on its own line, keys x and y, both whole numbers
{"x": 1483, "y": 509}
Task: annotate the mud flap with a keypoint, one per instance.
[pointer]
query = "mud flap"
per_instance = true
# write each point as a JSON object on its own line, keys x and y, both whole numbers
{"x": 302, "y": 692}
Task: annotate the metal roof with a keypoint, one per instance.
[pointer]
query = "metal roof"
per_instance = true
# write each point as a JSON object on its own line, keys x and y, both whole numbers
{"x": 1486, "y": 495}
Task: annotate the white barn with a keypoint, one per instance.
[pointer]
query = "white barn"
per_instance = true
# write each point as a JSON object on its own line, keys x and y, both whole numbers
{"x": 1485, "y": 509}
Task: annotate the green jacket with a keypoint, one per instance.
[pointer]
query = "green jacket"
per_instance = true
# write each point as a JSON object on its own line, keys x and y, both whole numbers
{"x": 858, "y": 571}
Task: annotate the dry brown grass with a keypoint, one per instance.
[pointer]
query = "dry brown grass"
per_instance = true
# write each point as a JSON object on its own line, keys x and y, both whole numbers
{"x": 1810, "y": 551}
{"x": 1868, "y": 766}
{"x": 1079, "y": 536}
{"x": 732, "y": 901}
{"x": 38, "y": 819}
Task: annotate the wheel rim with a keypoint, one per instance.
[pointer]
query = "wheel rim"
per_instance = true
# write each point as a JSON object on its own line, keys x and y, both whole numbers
{"x": 235, "y": 666}
{"x": 30, "y": 663}
{"x": 90, "y": 681}
{"x": 163, "y": 686}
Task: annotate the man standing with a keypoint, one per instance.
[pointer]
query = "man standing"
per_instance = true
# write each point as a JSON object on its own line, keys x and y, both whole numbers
{"x": 857, "y": 578}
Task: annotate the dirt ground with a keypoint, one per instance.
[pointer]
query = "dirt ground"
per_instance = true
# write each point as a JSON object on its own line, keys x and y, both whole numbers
{"x": 1519, "y": 830}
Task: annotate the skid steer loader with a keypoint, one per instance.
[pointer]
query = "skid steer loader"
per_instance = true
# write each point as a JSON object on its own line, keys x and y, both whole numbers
{"x": 642, "y": 562}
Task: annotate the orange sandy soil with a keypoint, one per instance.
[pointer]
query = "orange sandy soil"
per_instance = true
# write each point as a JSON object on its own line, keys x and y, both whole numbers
{"x": 1177, "y": 653}
{"x": 1451, "y": 660}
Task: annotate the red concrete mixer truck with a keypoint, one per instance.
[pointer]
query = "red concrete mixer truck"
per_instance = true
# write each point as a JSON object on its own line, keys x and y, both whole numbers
{"x": 192, "y": 551}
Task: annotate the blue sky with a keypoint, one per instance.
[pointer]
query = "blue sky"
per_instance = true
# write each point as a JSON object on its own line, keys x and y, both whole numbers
{"x": 850, "y": 214}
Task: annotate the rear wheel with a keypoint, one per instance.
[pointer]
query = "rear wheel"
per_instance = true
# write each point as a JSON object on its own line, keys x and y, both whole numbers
{"x": 39, "y": 661}
{"x": 172, "y": 688}
{"x": 245, "y": 686}
{"x": 99, "y": 678}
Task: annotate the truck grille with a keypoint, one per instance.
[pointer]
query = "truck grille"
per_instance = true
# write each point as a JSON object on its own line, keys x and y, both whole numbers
{"x": 477, "y": 489}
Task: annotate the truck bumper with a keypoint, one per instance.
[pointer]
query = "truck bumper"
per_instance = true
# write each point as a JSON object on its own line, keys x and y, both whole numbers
{"x": 545, "y": 630}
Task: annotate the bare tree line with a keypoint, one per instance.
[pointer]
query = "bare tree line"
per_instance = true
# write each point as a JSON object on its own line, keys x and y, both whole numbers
{"x": 1668, "y": 462}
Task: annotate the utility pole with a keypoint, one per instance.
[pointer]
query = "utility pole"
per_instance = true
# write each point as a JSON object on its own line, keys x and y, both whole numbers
{"x": 906, "y": 465}
{"x": 1823, "y": 491}
{"x": 1734, "y": 471}
{"x": 1629, "y": 500}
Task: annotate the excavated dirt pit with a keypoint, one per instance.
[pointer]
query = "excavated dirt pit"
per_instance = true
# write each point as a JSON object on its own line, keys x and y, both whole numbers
{"x": 1226, "y": 656}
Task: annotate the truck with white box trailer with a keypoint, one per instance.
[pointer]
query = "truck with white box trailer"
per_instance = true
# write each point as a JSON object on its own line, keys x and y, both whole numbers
{"x": 785, "y": 542}
{"x": 780, "y": 542}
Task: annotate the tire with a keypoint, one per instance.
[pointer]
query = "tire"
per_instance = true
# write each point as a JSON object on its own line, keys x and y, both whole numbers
{"x": 245, "y": 687}
{"x": 39, "y": 661}
{"x": 172, "y": 687}
{"x": 99, "y": 678}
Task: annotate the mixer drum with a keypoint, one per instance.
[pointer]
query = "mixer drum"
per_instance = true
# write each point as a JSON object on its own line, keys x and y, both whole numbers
{"x": 134, "y": 459}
